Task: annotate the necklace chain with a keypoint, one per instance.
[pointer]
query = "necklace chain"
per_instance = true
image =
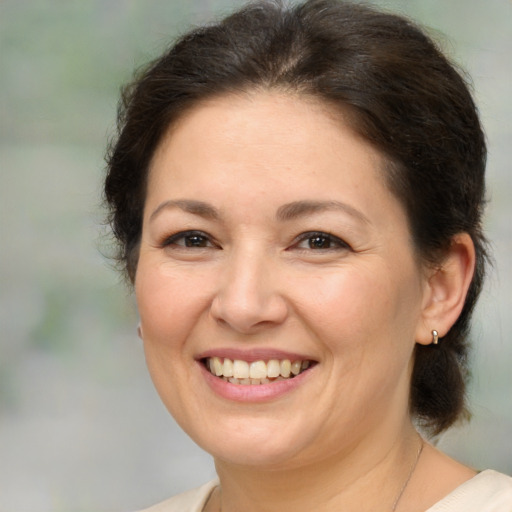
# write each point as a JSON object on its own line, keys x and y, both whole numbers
{"x": 409, "y": 476}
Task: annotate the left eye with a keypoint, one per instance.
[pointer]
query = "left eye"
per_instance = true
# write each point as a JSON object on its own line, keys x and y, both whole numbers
{"x": 193, "y": 239}
{"x": 320, "y": 241}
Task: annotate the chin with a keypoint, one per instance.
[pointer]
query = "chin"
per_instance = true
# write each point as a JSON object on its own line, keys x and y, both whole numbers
{"x": 257, "y": 442}
{"x": 255, "y": 455}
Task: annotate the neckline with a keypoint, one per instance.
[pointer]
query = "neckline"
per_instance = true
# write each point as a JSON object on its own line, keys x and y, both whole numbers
{"x": 475, "y": 492}
{"x": 482, "y": 486}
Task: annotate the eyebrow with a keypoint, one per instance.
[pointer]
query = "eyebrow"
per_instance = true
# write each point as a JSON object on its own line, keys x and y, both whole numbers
{"x": 190, "y": 206}
{"x": 285, "y": 213}
{"x": 298, "y": 209}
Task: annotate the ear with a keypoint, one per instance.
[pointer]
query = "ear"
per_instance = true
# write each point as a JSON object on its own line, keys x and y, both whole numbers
{"x": 446, "y": 289}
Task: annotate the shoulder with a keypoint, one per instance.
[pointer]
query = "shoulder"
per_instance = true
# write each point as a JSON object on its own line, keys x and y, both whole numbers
{"x": 190, "y": 501}
{"x": 489, "y": 491}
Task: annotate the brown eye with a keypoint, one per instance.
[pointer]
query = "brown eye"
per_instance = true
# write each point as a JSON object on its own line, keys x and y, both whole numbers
{"x": 189, "y": 239}
{"x": 195, "y": 241}
{"x": 319, "y": 242}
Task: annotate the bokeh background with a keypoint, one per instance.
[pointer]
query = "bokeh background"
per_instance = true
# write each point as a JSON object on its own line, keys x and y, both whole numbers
{"x": 81, "y": 428}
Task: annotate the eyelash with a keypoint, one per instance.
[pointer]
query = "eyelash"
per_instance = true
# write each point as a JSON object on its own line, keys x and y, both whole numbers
{"x": 188, "y": 235}
{"x": 334, "y": 243}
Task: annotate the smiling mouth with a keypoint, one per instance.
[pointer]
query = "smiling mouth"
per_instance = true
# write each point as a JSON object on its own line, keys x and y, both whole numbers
{"x": 241, "y": 372}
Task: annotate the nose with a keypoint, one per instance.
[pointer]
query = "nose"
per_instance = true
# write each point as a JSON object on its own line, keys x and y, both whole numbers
{"x": 248, "y": 298}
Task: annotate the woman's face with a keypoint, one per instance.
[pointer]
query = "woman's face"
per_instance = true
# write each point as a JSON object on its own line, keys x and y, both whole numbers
{"x": 271, "y": 240}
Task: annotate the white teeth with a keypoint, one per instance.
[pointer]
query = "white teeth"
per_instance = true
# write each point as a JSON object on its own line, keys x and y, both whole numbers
{"x": 295, "y": 368}
{"x": 227, "y": 368}
{"x": 286, "y": 367}
{"x": 240, "y": 369}
{"x": 257, "y": 372}
{"x": 216, "y": 366}
{"x": 273, "y": 368}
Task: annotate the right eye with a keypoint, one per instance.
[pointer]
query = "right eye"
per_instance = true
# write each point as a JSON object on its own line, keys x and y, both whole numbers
{"x": 189, "y": 239}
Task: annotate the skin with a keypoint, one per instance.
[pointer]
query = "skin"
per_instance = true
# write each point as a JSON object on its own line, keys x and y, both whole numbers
{"x": 355, "y": 303}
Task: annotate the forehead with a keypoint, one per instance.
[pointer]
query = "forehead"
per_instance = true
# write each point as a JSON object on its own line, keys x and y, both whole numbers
{"x": 262, "y": 131}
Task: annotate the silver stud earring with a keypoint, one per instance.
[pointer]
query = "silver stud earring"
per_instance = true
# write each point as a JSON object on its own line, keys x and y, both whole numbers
{"x": 435, "y": 337}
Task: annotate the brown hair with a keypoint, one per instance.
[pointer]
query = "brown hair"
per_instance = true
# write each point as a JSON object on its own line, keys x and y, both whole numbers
{"x": 405, "y": 98}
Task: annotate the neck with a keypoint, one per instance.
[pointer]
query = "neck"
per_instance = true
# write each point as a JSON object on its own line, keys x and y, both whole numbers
{"x": 367, "y": 477}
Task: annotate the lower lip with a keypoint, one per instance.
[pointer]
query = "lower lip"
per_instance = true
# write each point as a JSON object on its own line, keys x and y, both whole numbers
{"x": 254, "y": 393}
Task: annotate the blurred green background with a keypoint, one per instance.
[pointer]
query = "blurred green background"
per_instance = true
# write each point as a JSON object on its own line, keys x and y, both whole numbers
{"x": 81, "y": 428}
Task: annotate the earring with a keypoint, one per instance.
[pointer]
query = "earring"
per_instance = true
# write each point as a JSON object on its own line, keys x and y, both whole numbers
{"x": 435, "y": 337}
{"x": 139, "y": 331}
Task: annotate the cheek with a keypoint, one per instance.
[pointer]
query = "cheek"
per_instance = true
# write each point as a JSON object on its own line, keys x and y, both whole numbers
{"x": 169, "y": 302}
{"x": 359, "y": 307}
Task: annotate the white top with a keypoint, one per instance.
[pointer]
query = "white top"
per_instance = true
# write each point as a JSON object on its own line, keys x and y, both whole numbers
{"x": 489, "y": 491}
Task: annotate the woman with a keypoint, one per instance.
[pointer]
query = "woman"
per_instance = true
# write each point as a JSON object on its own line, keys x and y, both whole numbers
{"x": 297, "y": 194}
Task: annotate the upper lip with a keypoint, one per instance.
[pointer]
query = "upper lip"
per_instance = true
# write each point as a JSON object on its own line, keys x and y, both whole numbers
{"x": 250, "y": 355}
